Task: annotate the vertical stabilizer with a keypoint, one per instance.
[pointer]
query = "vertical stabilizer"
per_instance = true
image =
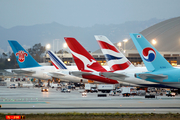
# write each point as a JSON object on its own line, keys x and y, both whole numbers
{"x": 115, "y": 59}
{"x": 24, "y": 59}
{"x": 82, "y": 58}
{"x": 150, "y": 56}
{"x": 58, "y": 63}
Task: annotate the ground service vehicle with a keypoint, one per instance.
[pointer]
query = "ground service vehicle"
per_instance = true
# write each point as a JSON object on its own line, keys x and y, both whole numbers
{"x": 13, "y": 86}
{"x": 65, "y": 90}
{"x": 44, "y": 89}
{"x": 169, "y": 93}
{"x": 113, "y": 93}
{"x": 125, "y": 91}
{"x": 90, "y": 88}
{"x": 106, "y": 88}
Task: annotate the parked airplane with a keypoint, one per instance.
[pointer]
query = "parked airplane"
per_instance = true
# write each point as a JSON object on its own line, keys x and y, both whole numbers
{"x": 160, "y": 70}
{"x": 123, "y": 69}
{"x": 28, "y": 65}
{"x": 88, "y": 66}
{"x": 63, "y": 72}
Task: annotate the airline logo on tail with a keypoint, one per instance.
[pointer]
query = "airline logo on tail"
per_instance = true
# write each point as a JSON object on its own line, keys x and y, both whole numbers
{"x": 116, "y": 60}
{"x": 21, "y": 55}
{"x": 149, "y": 54}
{"x": 138, "y": 36}
{"x": 56, "y": 61}
{"x": 82, "y": 58}
{"x": 87, "y": 63}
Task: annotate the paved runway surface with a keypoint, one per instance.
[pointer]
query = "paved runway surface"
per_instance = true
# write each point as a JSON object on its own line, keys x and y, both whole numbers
{"x": 32, "y": 100}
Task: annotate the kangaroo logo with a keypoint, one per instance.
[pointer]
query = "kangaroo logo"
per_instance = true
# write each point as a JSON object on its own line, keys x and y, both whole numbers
{"x": 91, "y": 62}
{"x": 21, "y": 55}
{"x": 148, "y": 54}
{"x": 87, "y": 63}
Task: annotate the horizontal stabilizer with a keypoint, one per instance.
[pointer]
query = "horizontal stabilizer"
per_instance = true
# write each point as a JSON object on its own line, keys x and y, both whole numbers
{"x": 23, "y": 71}
{"x": 79, "y": 73}
{"x": 159, "y": 78}
{"x": 111, "y": 74}
{"x": 55, "y": 74}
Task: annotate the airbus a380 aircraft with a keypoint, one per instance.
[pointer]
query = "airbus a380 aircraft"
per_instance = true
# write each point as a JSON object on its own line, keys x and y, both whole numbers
{"x": 88, "y": 66}
{"x": 123, "y": 69}
{"x": 29, "y": 66}
{"x": 159, "y": 69}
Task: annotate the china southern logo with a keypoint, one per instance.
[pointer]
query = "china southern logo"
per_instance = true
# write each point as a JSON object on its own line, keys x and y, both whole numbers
{"x": 21, "y": 55}
{"x": 149, "y": 54}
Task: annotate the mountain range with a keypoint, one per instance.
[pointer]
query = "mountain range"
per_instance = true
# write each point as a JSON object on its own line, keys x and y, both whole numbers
{"x": 47, "y": 33}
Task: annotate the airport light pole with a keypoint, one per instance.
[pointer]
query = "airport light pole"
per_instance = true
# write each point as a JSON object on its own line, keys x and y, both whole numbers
{"x": 119, "y": 45}
{"x": 125, "y": 41}
{"x": 48, "y": 46}
{"x": 64, "y": 47}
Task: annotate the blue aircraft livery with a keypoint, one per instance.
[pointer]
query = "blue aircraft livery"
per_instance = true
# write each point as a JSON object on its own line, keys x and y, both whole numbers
{"x": 149, "y": 54}
{"x": 24, "y": 59}
{"x": 159, "y": 69}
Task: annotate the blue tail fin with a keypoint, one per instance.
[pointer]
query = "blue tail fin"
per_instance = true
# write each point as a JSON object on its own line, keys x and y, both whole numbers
{"x": 150, "y": 56}
{"x": 24, "y": 59}
{"x": 58, "y": 63}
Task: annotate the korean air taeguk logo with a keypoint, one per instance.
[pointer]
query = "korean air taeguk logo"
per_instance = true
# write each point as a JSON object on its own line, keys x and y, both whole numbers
{"x": 148, "y": 54}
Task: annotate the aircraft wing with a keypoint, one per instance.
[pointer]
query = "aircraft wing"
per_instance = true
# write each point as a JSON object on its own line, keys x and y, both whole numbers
{"x": 112, "y": 75}
{"x": 153, "y": 76}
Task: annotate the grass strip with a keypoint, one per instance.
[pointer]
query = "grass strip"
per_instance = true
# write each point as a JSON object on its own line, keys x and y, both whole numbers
{"x": 97, "y": 116}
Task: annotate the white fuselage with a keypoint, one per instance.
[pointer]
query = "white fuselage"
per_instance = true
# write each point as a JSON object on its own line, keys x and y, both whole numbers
{"x": 132, "y": 79}
{"x": 37, "y": 72}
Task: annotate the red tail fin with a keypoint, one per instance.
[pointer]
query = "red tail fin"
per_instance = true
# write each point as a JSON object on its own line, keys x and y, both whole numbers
{"x": 82, "y": 58}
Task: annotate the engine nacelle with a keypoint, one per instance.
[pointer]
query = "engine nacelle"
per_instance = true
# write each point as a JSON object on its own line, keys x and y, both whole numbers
{"x": 135, "y": 75}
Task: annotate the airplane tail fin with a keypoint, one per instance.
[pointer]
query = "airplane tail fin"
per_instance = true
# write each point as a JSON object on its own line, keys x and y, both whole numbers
{"x": 150, "y": 56}
{"x": 115, "y": 59}
{"x": 82, "y": 58}
{"x": 58, "y": 63}
{"x": 24, "y": 59}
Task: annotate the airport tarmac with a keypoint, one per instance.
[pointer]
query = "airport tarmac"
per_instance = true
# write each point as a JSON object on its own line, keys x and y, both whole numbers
{"x": 32, "y": 100}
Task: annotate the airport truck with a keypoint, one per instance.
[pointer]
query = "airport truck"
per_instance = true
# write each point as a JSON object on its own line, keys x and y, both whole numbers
{"x": 91, "y": 88}
{"x": 106, "y": 88}
{"x": 126, "y": 91}
{"x": 169, "y": 93}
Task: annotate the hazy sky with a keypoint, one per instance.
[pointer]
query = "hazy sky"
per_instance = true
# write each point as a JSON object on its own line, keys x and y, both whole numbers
{"x": 84, "y": 13}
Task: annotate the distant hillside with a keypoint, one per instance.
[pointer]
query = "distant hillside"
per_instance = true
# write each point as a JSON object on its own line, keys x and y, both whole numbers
{"x": 46, "y": 33}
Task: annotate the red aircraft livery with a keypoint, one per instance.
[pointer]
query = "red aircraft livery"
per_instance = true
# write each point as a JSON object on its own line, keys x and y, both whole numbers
{"x": 21, "y": 55}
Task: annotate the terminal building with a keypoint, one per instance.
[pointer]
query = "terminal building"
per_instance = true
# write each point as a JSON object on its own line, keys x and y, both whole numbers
{"x": 165, "y": 37}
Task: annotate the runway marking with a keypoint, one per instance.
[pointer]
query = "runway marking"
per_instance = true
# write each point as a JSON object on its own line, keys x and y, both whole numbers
{"x": 23, "y": 103}
{"x": 154, "y": 108}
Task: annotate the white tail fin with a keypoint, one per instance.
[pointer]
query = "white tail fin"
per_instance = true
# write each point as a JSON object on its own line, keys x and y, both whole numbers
{"x": 58, "y": 63}
{"x": 115, "y": 59}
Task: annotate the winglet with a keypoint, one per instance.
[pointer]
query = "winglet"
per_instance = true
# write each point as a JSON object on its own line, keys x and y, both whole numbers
{"x": 24, "y": 59}
{"x": 84, "y": 61}
{"x": 150, "y": 56}
{"x": 115, "y": 59}
{"x": 58, "y": 63}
